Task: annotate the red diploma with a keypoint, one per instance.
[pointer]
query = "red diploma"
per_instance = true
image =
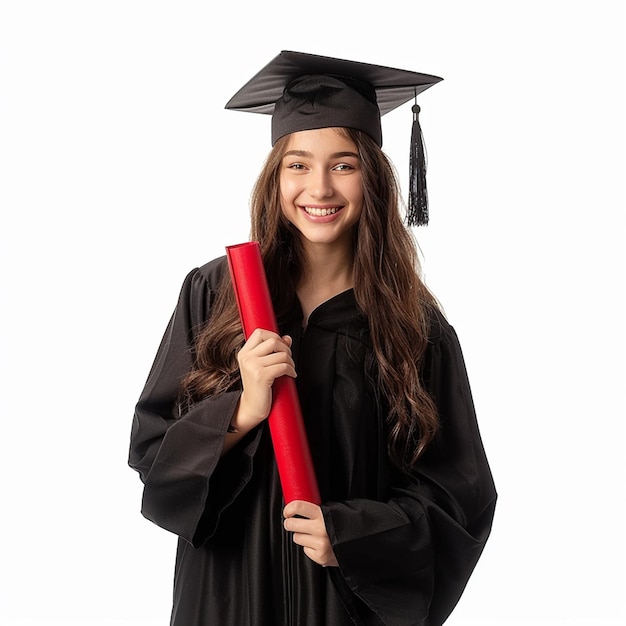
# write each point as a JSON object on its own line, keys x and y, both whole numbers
{"x": 291, "y": 448}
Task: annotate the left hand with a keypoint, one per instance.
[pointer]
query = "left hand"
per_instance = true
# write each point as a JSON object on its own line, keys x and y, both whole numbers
{"x": 309, "y": 531}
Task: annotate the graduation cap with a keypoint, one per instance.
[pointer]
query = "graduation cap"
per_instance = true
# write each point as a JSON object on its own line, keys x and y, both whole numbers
{"x": 307, "y": 91}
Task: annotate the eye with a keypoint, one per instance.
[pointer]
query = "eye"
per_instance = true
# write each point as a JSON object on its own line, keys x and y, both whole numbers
{"x": 344, "y": 167}
{"x": 295, "y": 166}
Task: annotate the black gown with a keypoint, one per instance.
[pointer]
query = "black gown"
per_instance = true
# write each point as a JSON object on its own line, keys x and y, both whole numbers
{"x": 405, "y": 547}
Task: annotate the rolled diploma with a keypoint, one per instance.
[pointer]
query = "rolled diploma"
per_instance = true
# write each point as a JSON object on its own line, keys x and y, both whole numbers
{"x": 291, "y": 447}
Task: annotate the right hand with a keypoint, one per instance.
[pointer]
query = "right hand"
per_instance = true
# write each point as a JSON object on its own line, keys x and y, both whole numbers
{"x": 264, "y": 357}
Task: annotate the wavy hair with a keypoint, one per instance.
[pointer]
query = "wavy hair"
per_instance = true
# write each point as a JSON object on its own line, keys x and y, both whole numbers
{"x": 386, "y": 270}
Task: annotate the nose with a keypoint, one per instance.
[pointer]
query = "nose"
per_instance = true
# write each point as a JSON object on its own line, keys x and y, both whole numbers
{"x": 320, "y": 183}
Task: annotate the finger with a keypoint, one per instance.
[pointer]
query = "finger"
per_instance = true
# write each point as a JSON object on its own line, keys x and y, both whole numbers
{"x": 257, "y": 337}
{"x": 312, "y": 554}
{"x": 302, "y": 508}
{"x": 273, "y": 346}
{"x": 269, "y": 345}
{"x": 309, "y": 541}
{"x": 260, "y": 345}
{"x": 325, "y": 559}
{"x": 302, "y": 525}
{"x": 271, "y": 363}
{"x": 272, "y": 371}
{"x": 260, "y": 335}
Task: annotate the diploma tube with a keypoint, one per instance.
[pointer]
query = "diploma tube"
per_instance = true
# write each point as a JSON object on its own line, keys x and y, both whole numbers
{"x": 291, "y": 447}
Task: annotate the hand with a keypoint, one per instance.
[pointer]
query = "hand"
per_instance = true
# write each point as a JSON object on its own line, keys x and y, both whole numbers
{"x": 309, "y": 531}
{"x": 263, "y": 358}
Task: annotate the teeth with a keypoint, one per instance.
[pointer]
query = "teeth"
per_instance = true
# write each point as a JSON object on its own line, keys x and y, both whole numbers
{"x": 321, "y": 212}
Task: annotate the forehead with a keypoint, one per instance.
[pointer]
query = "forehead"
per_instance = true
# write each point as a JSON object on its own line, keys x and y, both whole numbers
{"x": 321, "y": 140}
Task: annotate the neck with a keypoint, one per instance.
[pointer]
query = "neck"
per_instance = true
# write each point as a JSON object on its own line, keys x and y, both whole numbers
{"x": 326, "y": 273}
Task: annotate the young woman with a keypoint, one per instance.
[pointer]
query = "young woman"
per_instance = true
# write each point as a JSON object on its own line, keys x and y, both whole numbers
{"x": 407, "y": 494}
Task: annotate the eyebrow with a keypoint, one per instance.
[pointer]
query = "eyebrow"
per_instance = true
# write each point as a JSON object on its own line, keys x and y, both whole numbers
{"x": 335, "y": 155}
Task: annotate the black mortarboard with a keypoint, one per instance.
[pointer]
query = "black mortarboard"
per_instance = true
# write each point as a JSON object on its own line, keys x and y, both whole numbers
{"x": 306, "y": 91}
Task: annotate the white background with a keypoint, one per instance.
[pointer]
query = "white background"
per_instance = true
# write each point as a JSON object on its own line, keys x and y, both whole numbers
{"x": 120, "y": 171}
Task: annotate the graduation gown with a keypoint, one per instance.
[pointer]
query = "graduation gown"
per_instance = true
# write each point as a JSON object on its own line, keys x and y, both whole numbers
{"x": 405, "y": 547}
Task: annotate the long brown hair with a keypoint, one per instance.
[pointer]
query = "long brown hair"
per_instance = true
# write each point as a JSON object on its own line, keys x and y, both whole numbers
{"x": 386, "y": 270}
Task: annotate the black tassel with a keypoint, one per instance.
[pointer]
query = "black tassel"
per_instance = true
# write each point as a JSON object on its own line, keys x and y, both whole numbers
{"x": 417, "y": 214}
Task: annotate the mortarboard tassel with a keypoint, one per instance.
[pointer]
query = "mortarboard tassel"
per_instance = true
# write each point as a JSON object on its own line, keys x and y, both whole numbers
{"x": 417, "y": 214}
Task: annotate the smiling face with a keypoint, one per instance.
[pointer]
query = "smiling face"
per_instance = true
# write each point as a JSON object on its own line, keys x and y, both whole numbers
{"x": 321, "y": 186}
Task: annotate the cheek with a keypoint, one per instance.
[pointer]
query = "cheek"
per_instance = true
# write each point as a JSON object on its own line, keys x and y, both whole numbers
{"x": 289, "y": 192}
{"x": 286, "y": 189}
{"x": 287, "y": 209}
{"x": 355, "y": 193}
{"x": 283, "y": 205}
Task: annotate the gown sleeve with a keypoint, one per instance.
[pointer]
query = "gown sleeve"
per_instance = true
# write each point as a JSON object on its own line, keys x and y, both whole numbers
{"x": 409, "y": 558}
{"x": 175, "y": 455}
